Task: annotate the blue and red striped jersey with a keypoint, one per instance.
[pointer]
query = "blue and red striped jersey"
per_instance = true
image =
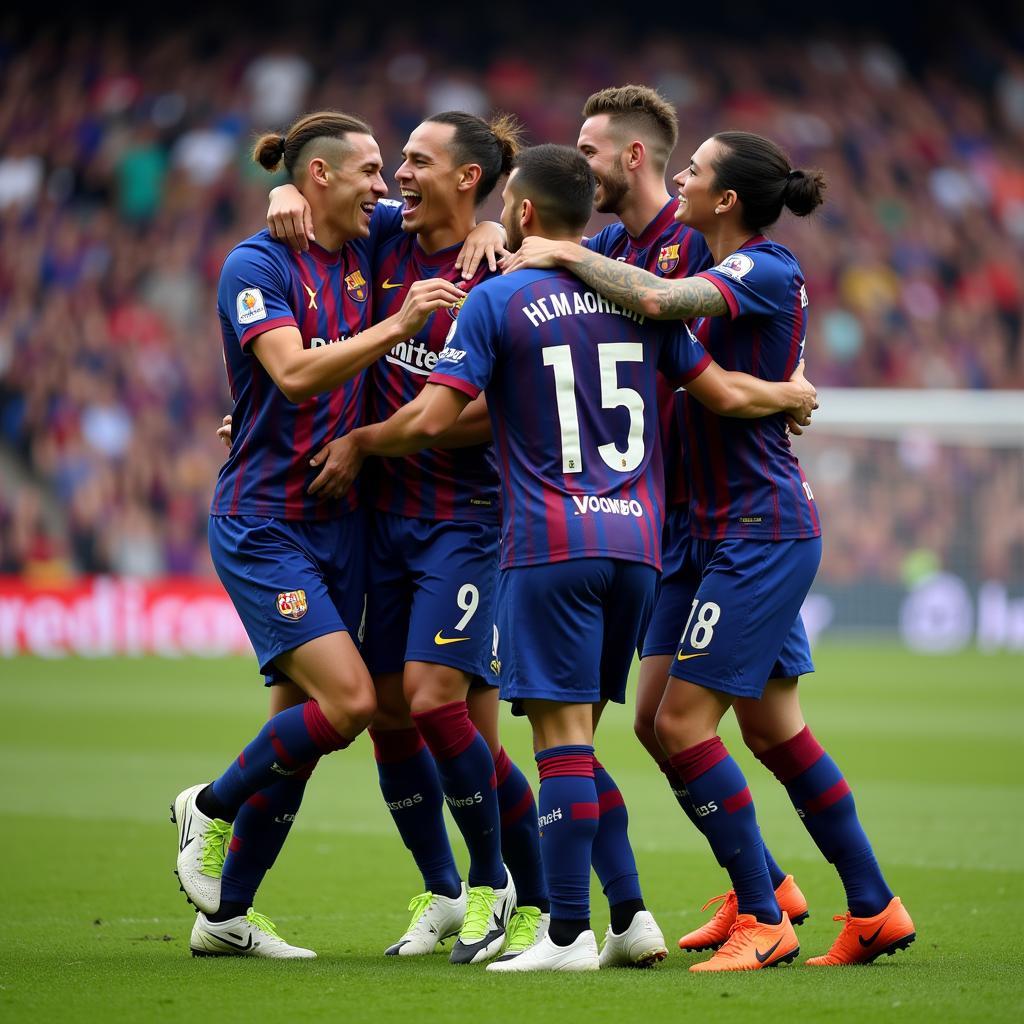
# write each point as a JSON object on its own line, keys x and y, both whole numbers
{"x": 572, "y": 393}
{"x": 668, "y": 249}
{"x": 459, "y": 483}
{"x": 327, "y": 296}
{"x": 745, "y": 480}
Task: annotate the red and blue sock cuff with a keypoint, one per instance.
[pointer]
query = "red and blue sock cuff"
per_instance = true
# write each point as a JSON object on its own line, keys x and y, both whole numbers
{"x": 391, "y": 746}
{"x": 693, "y": 762}
{"x": 502, "y": 766}
{"x": 792, "y": 758}
{"x": 321, "y": 732}
{"x": 572, "y": 760}
{"x": 447, "y": 730}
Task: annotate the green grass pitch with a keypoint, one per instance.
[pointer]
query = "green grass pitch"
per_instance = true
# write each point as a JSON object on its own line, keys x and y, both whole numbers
{"x": 91, "y": 753}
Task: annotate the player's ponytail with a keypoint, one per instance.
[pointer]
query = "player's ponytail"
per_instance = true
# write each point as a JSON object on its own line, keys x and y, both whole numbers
{"x": 508, "y": 132}
{"x": 493, "y": 146}
{"x": 759, "y": 172}
{"x": 271, "y": 149}
{"x": 805, "y": 191}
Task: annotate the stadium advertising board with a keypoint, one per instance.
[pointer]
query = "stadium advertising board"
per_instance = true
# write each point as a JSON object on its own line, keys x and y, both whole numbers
{"x": 105, "y": 616}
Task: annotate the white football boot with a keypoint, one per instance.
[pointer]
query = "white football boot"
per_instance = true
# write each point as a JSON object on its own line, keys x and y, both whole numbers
{"x": 640, "y": 945}
{"x": 527, "y": 927}
{"x": 202, "y": 847}
{"x": 252, "y": 935}
{"x": 581, "y": 955}
{"x": 488, "y": 912}
{"x": 434, "y": 919}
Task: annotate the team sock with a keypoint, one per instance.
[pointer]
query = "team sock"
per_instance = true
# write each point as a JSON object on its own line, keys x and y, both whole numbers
{"x": 725, "y": 814}
{"x": 568, "y": 817}
{"x": 612, "y": 855}
{"x": 466, "y": 771}
{"x": 289, "y": 740}
{"x": 260, "y": 829}
{"x": 520, "y": 842}
{"x": 679, "y": 791}
{"x": 412, "y": 792}
{"x": 825, "y": 804}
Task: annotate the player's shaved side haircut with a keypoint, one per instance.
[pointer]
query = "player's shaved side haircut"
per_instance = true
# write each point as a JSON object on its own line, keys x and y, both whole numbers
{"x": 560, "y": 184}
{"x": 271, "y": 149}
{"x": 639, "y": 109}
{"x": 491, "y": 144}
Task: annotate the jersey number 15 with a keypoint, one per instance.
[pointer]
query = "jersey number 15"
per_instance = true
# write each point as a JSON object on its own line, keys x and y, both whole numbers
{"x": 609, "y": 355}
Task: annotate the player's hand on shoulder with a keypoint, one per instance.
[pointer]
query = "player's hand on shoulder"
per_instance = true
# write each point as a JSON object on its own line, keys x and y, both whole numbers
{"x": 422, "y": 299}
{"x": 224, "y": 431}
{"x": 289, "y": 218}
{"x": 805, "y": 402}
{"x": 485, "y": 241}
{"x": 340, "y": 462}
{"x": 536, "y": 253}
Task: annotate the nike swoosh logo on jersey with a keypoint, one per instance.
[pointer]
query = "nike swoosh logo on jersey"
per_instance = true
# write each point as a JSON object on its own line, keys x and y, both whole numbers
{"x": 387, "y": 284}
{"x": 761, "y": 957}
{"x": 442, "y": 640}
{"x": 867, "y": 942}
{"x": 686, "y": 657}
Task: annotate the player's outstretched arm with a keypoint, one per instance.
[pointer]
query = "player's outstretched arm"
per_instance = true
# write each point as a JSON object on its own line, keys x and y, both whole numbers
{"x": 472, "y": 427}
{"x": 289, "y": 218}
{"x": 432, "y": 413}
{"x": 631, "y": 287}
{"x": 301, "y": 373}
{"x": 342, "y": 458}
{"x": 729, "y": 393}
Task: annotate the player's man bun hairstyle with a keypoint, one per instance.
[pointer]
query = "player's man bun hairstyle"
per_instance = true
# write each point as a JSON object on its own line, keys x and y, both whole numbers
{"x": 640, "y": 109}
{"x": 760, "y": 174}
{"x": 491, "y": 144}
{"x": 272, "y": 148}
{"x": 560, "y": 184}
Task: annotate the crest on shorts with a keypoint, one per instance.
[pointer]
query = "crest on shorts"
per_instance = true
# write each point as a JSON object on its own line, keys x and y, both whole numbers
{"x": 292, "y": 604}
{"x": 668, "y": 258}
{"x": 355, "y": 285}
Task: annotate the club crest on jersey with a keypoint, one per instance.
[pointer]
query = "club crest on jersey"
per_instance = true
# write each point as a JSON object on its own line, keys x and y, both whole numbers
{"x": 668, "y": 258}
{"x": 250, "y": 306}
{"x": 736, "y": 266}
{"x": 355, "y": 285}
{"x": 292, "y": 604}
{"x": 453, "y": 311}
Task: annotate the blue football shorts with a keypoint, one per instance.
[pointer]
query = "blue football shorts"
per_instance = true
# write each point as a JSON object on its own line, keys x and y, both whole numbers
{"x": 743, "y": 626}
{"x": 291, "y": 580}
{"x": 568, "y": 631}
{"x": 430, "y": 594}
{"x": 680, "y": 578}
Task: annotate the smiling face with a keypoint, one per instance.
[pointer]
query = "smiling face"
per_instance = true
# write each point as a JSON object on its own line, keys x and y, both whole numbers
{"x": 428, "y": 178}
{"x": 604, "y": 150}
{"x": 698, "y": 194}
{"x": 353, "y": 187}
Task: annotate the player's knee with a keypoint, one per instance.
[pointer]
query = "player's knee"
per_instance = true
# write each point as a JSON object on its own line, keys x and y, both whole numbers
{"x": 666, "y": 729}
{"x": 643, "y": 729}
{"x": 361, "y": 709}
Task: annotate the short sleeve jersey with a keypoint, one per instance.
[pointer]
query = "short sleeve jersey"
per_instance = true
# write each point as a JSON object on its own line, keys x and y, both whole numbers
{"x": 326, "y": 296}
{"x": 572, "y": 393}
{"x": 745, "y": 480}
{"x": 671, "y": 250}
{"x": 432, "y": 484}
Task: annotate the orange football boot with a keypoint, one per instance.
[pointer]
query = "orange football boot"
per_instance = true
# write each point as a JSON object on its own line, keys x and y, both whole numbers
{"x": 711, "y": 935}
{"x": 864, "y": 939}
{"x": 752, "y": 945}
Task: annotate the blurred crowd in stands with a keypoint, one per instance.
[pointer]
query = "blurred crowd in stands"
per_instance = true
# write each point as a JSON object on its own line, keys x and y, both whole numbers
{"x": 125, "y": 179}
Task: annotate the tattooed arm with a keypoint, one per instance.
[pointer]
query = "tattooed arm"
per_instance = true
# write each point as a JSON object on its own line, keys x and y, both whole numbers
{"x": 627, "y": 286}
